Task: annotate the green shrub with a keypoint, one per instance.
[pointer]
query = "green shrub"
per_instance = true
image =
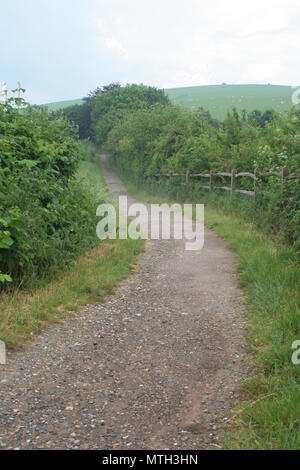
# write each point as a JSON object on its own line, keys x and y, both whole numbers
{"x": 46, "y": 218}
{"x": 110, "y": 107}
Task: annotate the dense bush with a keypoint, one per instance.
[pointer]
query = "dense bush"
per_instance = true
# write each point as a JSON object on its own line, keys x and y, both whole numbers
{"x": 46, "y": 218}
{"x": 110, "y": 107}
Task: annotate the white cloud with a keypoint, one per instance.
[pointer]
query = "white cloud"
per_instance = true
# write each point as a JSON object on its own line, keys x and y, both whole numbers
{"x": 104, "y": 36}
{"x": 195, "y": 42}
{"x": 62, "y": 49}
{"x": 112, "y": 43}
{"x": 261, "y": 72}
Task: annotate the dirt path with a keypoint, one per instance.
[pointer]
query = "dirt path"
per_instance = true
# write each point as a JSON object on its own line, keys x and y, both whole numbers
{"x": 157, "y": 366}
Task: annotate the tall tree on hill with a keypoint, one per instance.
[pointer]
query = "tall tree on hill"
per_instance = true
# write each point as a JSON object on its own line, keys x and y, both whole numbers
{"x": 110, "y": 106}
{"x": 86, "y": 108}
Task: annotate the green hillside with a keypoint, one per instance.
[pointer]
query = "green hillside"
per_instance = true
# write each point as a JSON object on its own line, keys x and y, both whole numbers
{"x": 62, "y": 104}
{"x": 218, "y": 99}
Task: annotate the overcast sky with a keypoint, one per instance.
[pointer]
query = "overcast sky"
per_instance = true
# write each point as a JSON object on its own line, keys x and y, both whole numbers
{"x": 61, "y": 49}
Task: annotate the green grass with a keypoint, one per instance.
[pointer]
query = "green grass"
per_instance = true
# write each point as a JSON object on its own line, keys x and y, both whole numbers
{"x": 269, "y": 273}
{"x": 62, "y": 104}
{"x": 91, "y": 176}
{"x": 94, "y": 276}
{"x": 219, "y": 99}
{"x": 270, "y": 277}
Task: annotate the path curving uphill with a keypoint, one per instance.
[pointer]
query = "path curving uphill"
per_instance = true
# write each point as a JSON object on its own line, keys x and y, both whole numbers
{"x": 157, "y": 366}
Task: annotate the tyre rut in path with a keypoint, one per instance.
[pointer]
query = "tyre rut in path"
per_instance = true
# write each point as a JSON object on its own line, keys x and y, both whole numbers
{"x": 157, "y": 366}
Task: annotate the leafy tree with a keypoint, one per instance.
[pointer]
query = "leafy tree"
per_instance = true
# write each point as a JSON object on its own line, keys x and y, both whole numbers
{"x": 260, "y": 119}
{"x": 80, "y": 115}
{"x": 108, "y": 108}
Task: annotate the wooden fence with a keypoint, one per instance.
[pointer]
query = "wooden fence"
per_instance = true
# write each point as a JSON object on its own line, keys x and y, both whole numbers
{"x": 234, "y": 177}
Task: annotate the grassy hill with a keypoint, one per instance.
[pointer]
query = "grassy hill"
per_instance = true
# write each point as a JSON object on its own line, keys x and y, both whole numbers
{"x": 62, "y": 104}
{"x": 218, "y": 99}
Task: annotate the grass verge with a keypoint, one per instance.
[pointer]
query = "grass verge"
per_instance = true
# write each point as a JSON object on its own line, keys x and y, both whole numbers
{"x": 269, "y": 418}
{"x": 93, "y": 276}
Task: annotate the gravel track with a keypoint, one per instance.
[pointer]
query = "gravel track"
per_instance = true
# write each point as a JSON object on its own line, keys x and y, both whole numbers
{"x": 157, "y": 366}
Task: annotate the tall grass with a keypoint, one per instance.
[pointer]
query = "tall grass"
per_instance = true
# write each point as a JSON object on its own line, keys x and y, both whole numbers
{"x": 270, "y": 277}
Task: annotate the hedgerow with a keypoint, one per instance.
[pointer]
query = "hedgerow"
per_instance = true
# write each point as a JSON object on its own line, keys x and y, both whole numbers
{"x": 165, "y": 138}
{"x": 46, "y": 218}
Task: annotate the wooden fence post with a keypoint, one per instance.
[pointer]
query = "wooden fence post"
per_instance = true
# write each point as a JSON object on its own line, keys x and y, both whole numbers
{"x": 255, "y": 184}
{"x": 285, "y": 173}
{"x": 188, "y": 175}
{"x": 212, "y": 180}
{"x": 233, "y": 180}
